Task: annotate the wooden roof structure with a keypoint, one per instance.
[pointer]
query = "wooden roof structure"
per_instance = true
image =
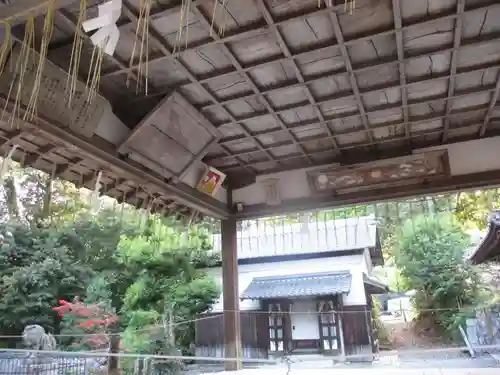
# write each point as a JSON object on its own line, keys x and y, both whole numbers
{"x": 267, "y": 86}
{"x": 489, "y": 248}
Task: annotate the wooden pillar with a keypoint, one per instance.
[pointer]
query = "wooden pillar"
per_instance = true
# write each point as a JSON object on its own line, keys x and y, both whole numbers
{"x": 232, "y": 326}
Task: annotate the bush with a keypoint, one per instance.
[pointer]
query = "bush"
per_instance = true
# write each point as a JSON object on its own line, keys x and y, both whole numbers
{"x": 429, "y": 251}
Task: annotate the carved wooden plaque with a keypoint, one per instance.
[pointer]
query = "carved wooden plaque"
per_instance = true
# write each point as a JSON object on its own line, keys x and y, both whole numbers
{"x": 82, "y": 117}
{"x": 172, "y": 137}
{"x": 386, "y": 173}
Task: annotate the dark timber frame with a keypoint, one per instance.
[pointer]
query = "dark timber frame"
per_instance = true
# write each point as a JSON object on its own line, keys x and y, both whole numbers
{"x": 350, "y": 136}
{"x": 278, "y": 111}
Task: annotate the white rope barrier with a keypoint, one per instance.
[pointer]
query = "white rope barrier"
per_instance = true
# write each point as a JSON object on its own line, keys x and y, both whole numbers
{"x": 136, "y": 355}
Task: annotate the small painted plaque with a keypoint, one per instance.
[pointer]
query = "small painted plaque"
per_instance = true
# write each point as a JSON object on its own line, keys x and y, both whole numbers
{"x": 211, "y": 180}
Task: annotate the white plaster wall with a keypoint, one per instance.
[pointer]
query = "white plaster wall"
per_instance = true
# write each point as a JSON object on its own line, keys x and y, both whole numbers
{"x": 111, "y": 128}
{"x": 259, "y": 240}
{"x": 305, "y": 320}
{"x": 476, "y": 156}
{"x": 368, "y": 261}
{"x": 291, "y": 185}
{"x": 356, "y": 264}
{"x": 467, "y": 157}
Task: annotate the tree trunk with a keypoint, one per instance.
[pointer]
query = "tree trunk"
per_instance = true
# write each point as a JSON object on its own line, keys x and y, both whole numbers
{"x": 114, "y": 348}
{"x": 11, "y": 198}
{"x": 47, "y": 199}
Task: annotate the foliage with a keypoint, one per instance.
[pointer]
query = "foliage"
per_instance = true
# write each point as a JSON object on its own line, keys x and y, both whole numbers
{"x": 429, "y": 251}
{"x": 474, "y": 207}
{"x": 134, "y": 266}
{"x": 166, "y": 279}
{"x": 145, "y": 270}
{"x": 90, "y": 320}
{"x": 36, "y": 269}
{"x": 380, "y": 329}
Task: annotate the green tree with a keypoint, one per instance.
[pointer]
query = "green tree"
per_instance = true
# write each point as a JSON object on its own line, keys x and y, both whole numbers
{"x": 473, "y": 207}
{"x": 146, "y": 267}
{"x": 429, "y": 252}
{"x": 36, "y": 270}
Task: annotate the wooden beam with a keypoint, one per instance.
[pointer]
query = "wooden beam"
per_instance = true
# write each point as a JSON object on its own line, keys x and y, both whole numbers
{"x": 10, "y": 137}
{"x": 398, "y": 25}
{"x": 33, "y": 157}
{"x": 106, "y": 154}
{"x": 457, "y": 39}
{"x": 115, "y": 184}
{"x": 61, "y": 169}
{"x": 491, "y": 108}
{"x": 231, "y": 301}
{"x": 445, "y": 185}
{"x": 126, "y": 196}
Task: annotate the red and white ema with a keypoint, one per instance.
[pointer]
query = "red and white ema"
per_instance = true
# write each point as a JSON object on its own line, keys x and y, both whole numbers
{"x": 211, "y": 180}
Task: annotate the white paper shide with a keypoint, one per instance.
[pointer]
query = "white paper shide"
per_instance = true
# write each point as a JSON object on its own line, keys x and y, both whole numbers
{"x": 107, "y": 33}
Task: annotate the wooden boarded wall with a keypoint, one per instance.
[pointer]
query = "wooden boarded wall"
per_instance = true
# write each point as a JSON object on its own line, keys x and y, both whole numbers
{"x": 356, "y": 326}
{"x": 209, "y": 339}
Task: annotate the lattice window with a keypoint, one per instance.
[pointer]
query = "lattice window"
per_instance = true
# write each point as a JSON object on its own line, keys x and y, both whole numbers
{"x": 276, "y": 327}
{"x": 328, "y": 325}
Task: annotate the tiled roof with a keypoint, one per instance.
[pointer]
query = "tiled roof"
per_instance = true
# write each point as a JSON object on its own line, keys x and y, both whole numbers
{"x": 375, "y": 286}
{"x": 489, "y": 248}
{"x": 313, "y": 284}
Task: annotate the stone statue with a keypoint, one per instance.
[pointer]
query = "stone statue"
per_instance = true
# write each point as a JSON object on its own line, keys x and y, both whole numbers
{"x": 34, "y": 337}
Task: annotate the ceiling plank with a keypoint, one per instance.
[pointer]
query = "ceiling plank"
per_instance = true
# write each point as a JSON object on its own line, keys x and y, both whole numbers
{"x": 19, "y": 10}
{"x": 260, "y": 29}
{"x": 270, "y": 110}
{"x": 300, "y": 77}
{"x": 372, "y": 156}
{"x": 415, "y": 120}
{"x": 473, "y": 42}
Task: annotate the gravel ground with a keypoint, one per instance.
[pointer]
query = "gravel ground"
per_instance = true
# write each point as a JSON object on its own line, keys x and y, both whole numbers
{"x": 386, "y": 363}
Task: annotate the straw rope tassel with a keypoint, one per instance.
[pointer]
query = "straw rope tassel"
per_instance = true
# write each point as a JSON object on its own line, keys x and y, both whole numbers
{"x": 222, "y": 27}
{"x": 48, "y": 27}
{"x": 17, "y": 84}
{"x": 186, "y": 39}
{"x": 95, "y": 72}
{"x": 142, "y": 32}
{"x": 76, "y": 54}
{"x": 183, "y": 23}
{"x": 213, "y": 17}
